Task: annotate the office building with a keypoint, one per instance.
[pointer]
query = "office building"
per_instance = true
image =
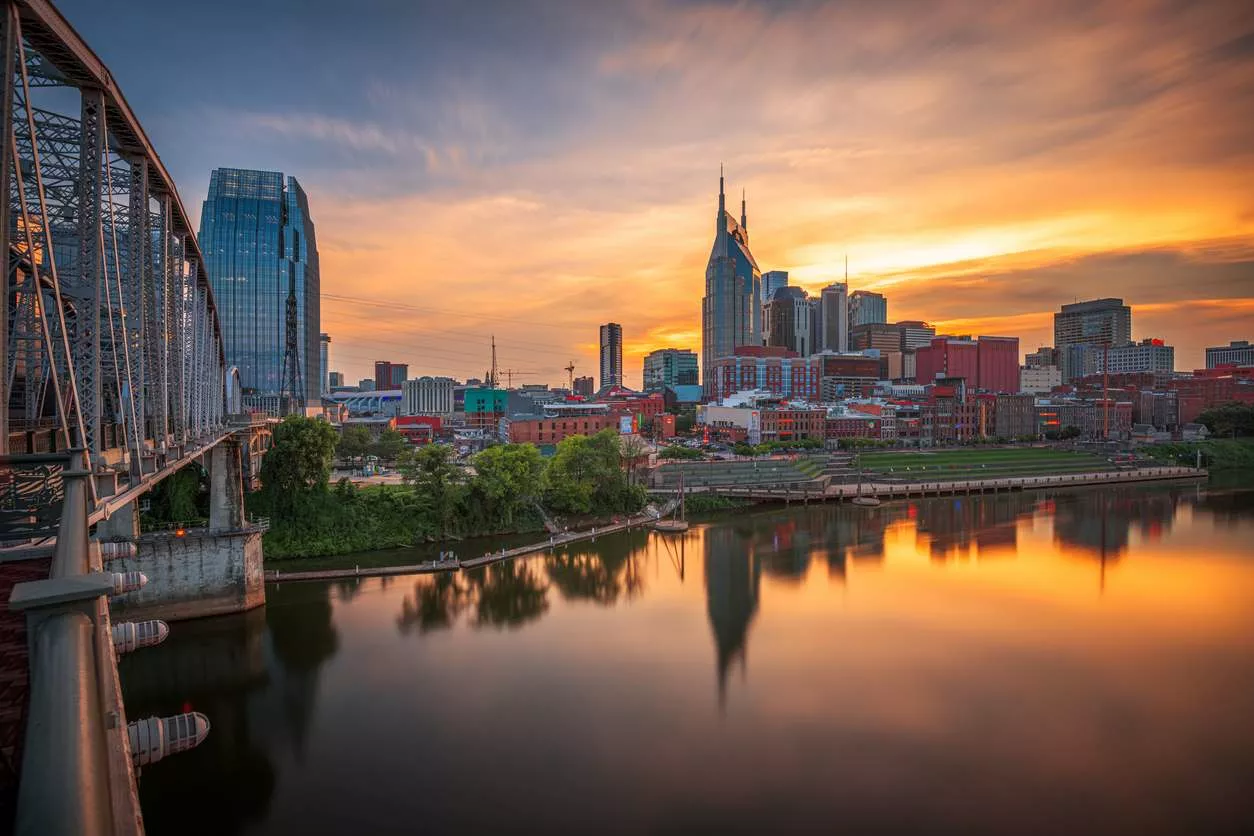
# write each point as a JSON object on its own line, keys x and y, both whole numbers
{"x": 1148, "y": 355}
{"x": 428, "y": 395}
{"x": 388, "y": 375}
{"x": 258, "y": 242}
{"x": 670, "y": 367}
{"x": 867, "y": 307}
{"x": 1236, "y": 353}
{"x": 1039, "y": 380}
{"x": 788, "y": 321}
{"x": 915, "y": 334}
{"x": 1105, "y": 322}
{"x": 731, "y": 310}
{"x": 773, "y": 280}
{"x": 584, "y": 387}
{"x": 1044, "y": 356}
{"x": 834, "y": 318}
{"x": 335, "y": 380}
{"x": 611, "y": 354}
{"x": 878, "y": 335}
{"x": 366, "y": 384}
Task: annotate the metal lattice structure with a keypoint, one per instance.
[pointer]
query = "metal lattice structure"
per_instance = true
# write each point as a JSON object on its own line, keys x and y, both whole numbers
{"x": 110, "y": 339}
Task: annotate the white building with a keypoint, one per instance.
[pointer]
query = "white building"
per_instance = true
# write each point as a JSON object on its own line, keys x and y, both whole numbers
{"x": 1238, "y": 352}
{"x": 1039, "y": 380}
{"x": 1145, "y": 356}
{"x": 428, "y": 396}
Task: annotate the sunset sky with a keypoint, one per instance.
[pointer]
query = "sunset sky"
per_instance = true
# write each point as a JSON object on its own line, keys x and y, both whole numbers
{"x": 531, "y": 169}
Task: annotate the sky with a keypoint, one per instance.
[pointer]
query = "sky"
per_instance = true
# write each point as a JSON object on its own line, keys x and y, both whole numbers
{"x": 528, "y": 170}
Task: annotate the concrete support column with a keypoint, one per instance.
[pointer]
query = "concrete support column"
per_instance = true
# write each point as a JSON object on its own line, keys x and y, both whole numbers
{"x": 123, "y": 524}
{"x": 226, "y": 487}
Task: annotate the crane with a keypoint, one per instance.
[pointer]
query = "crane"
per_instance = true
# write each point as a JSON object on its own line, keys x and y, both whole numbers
{"x": 570, "y": 375}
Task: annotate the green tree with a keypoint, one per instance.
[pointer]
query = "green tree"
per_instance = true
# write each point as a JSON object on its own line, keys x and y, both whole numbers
{"x": 354, "y": 442}
{"x": 1229, "y": 420}
{"x": 437, "y": 480}
{"x": 1069, "y": 432}
{"x": 586, "y": 475}
{"x": 389, "y": 445}
{"x": 298, "y": 462}
{"x": 507, "y": 478}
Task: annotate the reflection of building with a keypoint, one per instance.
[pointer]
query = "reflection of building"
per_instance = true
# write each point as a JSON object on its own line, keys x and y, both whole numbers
{"x": 731, "y": 594}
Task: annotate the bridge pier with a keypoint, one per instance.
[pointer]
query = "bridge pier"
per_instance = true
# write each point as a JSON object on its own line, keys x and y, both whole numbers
{"x": 122, "y": 524}
{"x": 201, "y": 572}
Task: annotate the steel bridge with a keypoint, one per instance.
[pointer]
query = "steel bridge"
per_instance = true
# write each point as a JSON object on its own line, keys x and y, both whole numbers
{"x": 112, "y": 376}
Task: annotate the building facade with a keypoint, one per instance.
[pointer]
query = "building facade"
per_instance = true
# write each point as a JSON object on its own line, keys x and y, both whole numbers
{"x": 428, "y": 395}
{"x": 773, "y": 280}
{"x": 1105, "y": 322}
{"x": 584, "y": 387}
{"x": 611, "y": 354}
{"x": 1039, "y": 380}
{"x": 259, "y": 246}
{"x": 834, "y": 318}
{"x": 388, "y": 375}
{"x": 670, "y": 367}
{"x": 1145, "y": 356}
{"x": 788, "y": 321}
{"x": 915, "y": 334}
{"x": 731, "y": 310}
{"x": 987, "y": 363}
{"x": 1236, "y": 353}
{"x": 867, "y": 307}
{"x": 324, "y": 362}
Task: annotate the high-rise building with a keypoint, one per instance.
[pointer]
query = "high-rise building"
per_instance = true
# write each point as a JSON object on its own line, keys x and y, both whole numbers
{"x": 670, "y": 367}
{"x": 585, "y": 387}
{"x": 1043, "y": 356}
{"x": 997, "y": 364}
{"x": 324, "y": 359}
{"x": 867, "y": 307}
{"x": 834, "y": 318}
{"x": 611, "y": 354}
{"x": 1105, "y": 322}
{"x": 259, "y": 247}
{"x": 1237, "y": 352}
{"x": 731, "y": 311}
{"x": 334, "y": 380}
{"x": 428, "y": 395}
{"x": 388, "y": 375}
{"x": 773, "y": 280}
{"x": 988, "y": 363}
{"x": 915, "y": 334}
{"x": 788, "y": 321}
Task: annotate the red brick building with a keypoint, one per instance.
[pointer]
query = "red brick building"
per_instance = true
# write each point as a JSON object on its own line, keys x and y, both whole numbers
{"x": 987, "y": 363}
{"x": 793, "y": 424}
{"x": 418, "y": 429}
{"x": 551, "y": 430}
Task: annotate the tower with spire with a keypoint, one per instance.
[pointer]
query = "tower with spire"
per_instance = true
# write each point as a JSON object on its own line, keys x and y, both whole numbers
{"x": 731, "y": 311}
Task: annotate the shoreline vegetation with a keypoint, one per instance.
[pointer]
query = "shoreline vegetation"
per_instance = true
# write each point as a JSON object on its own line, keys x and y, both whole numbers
{"x": 506, "y": 491}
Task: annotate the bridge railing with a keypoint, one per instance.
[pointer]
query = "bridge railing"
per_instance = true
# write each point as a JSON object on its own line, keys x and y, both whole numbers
{"x": 75, "y": 773}
{"x": 31, "y": 494}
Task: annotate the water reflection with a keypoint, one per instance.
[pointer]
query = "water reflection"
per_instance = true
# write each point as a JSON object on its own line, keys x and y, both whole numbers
{"x": 957, "y": 636}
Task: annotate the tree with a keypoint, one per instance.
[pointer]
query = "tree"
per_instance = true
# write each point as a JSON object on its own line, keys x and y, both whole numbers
{"x": 299, "y": 460}
{"x": 354, "y": 442}
{"x": 1229, "y": 420}
{"x": 586, "y": 476}
{"x": 507, "y": 477}
{"x": 436, "y": 479}
{"x": 389, "y": 445}
{"x": 1069, "y": 432}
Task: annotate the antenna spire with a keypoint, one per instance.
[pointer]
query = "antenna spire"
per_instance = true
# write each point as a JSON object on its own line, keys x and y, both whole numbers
{"x": 722, "y": 202}
{"x": 744, "y": 219}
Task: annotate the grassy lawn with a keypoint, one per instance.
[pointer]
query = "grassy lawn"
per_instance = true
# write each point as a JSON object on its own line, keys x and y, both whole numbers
{"x": 1030, "y": 461}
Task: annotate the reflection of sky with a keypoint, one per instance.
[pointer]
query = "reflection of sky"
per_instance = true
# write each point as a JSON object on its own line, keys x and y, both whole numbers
{"x": 964, "y": 695}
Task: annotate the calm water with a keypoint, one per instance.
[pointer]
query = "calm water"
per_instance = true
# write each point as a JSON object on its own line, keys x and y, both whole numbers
{"x": 1072, "y": 663}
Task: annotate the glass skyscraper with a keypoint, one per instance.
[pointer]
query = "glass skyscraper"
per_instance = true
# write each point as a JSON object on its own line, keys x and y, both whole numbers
{"x": 731, "y": 312}
{"x": 258, "y": 241}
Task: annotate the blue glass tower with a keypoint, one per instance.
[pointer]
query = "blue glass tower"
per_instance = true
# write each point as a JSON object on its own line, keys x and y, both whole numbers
{"x": 258, "y": 241}
{"x": 731, "y": 312}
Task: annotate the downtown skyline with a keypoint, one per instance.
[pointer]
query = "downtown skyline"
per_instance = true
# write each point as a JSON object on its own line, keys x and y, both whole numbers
{"x": 979, "y": 169}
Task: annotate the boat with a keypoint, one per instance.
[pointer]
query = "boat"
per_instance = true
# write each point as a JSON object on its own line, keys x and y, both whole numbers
{"x": 675, "y": 524}
{"x": 865, "y": 501}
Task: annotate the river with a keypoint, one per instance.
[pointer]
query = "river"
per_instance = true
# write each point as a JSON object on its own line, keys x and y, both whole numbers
{"x": 1069, "y": 662}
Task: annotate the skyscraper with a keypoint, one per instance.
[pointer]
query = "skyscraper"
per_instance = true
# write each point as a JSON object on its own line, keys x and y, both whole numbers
{"x": 788, "y": 321}
{"x": 259, "y": 246}
{"x": 669, "y": 367}
{"x": 834, "y": 318}
{"x": 866, "y": 308}
{"x": 611, "y": 354}
{"x": 773, "y": 280}
{"x": 324, "y": 360}
{"x": 389, "y": 375}
{"x": 731, "y": 311}
{"x": 1105, "y": 322}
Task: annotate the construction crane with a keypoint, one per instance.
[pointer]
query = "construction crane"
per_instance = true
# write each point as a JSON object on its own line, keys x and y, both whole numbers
{"x": 570, "y": 375}
{"x": 509, "y": 376}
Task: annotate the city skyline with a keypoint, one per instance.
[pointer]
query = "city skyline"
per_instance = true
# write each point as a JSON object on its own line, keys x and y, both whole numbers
{"x": 1093, "y": 154}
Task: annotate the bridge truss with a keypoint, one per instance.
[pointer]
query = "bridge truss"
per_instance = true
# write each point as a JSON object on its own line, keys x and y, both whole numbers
{"x": 110, "y": 340}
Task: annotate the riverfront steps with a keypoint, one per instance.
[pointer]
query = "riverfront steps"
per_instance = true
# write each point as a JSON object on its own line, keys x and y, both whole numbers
{"x": 953, "y": 487}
